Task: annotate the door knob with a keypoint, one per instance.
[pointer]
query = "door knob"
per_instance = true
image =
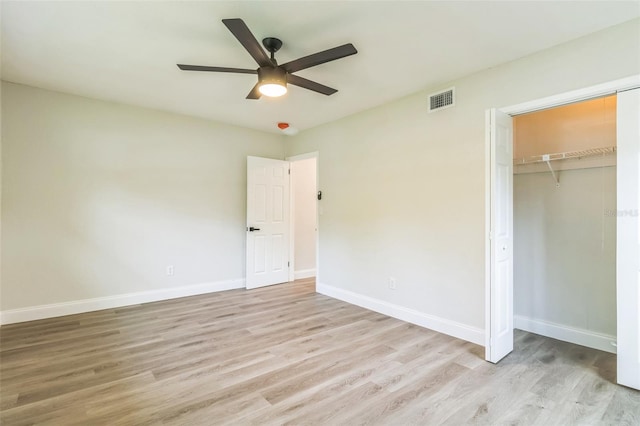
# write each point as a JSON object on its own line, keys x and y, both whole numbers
{"x": 251, "y": 229}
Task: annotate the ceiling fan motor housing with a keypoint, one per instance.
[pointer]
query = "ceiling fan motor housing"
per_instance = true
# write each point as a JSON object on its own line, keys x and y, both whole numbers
{"x": 275, "y": 75}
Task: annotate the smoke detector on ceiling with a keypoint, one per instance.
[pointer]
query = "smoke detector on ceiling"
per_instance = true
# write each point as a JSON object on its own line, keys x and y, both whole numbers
{"x": 442, "y": 100}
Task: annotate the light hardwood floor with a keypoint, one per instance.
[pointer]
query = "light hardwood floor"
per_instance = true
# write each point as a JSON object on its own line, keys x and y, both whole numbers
{"x": 286, "y": 355}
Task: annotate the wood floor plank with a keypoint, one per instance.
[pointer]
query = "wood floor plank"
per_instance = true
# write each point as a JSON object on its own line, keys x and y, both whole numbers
{"x": 623, "y": 408}
{"x": 287, "y": 355}
{"x": 324, "y": 397}
{"x": 70, "y": 407}
{"x": 412, "y": 393}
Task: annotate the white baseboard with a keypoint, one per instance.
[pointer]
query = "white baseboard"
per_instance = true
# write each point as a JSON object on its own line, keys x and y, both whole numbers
{"x": 565, "y": 333}
{"x": 441, "y": 325}
{"x": 304, "y": 273}
{"x": 87, "y": 305}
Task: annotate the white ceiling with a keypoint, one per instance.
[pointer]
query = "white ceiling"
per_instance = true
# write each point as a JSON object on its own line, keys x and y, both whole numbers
{"x": 127, "y": 51}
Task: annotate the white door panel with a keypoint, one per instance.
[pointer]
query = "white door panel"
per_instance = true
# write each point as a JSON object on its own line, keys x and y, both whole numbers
{"x": 628, "y": 238}
{"x": 500, "y": 327}
{"x": 267, "y": 221}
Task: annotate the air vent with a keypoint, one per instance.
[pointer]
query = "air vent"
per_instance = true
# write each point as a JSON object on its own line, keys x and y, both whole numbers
{"x": 442, "y": 100}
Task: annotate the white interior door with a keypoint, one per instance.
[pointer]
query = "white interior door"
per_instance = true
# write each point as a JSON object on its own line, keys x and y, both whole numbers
{"x": 628, "y": 238}
{"x": 500, "y": 316}
{"x": 267, "y": 221}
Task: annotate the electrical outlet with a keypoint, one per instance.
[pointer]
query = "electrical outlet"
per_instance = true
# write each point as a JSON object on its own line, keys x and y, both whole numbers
{"x": 170, "y": 270}
{"x": 392, "y": 283}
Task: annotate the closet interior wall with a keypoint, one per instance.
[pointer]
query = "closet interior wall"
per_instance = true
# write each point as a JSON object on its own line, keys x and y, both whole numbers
{"x": 565, "y": 225}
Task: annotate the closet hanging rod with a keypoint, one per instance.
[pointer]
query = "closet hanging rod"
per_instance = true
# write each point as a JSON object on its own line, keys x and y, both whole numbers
{"x": 545, "y": 158}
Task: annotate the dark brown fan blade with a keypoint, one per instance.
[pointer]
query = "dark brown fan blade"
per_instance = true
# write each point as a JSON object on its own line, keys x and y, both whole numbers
{"x": 320, "y": 58}
{"x": 216, "y": 69}
{"x": 240, "y": 30}
{"x": 311, "y": 85}
{"x": 254, "y": 93}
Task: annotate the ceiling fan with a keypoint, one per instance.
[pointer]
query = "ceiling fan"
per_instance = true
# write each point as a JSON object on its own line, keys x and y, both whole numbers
{"x": 273, "y": 78}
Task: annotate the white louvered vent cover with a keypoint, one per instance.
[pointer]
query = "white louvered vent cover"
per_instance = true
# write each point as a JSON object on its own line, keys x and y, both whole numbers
{"x": 442, "y": 100}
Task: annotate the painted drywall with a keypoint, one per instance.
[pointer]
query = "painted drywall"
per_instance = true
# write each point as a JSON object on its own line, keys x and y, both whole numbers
{"x": 303, "y": 173}
{"x": 581, "y": 126}
{"x": 404, "y": 190}
{"x": 0, "y": 195}
{"x": 565, "y": 248}
{"x": 99, "y": 198}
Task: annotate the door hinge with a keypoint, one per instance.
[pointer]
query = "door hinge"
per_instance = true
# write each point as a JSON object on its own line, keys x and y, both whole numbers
{"x": 289, "y": 171}
{"x": 288, "y": 264}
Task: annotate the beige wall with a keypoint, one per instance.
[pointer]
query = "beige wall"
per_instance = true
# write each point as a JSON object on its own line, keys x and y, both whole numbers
{"x": 580, "y": 126}
{"x": 565, "y": 249}
{"x": 99, "y": 198}
{"x": 304, "y": 190}
{"x": 404, "y": 190}
{"x": 1, "y": 196}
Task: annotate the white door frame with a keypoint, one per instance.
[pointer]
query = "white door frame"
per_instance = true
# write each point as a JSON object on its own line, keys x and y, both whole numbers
{"x": 608, "y": 88}
{"x": 292, "y": 269}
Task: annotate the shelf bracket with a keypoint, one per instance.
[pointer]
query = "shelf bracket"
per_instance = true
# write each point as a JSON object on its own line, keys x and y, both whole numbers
{"x": 546, "y": 159}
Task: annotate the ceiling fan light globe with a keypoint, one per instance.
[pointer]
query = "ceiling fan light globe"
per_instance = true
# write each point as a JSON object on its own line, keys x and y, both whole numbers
{"x": 272, "y": 89}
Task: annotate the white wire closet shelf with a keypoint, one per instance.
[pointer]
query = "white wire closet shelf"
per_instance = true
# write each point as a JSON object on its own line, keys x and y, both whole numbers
{"x": 565, "y": 155}
{"x": 571, "y": 155}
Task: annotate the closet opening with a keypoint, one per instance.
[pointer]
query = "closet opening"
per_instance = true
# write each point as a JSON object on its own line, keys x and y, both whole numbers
{"x": 304, "y": 199}
{"x": 564, "y": 229}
